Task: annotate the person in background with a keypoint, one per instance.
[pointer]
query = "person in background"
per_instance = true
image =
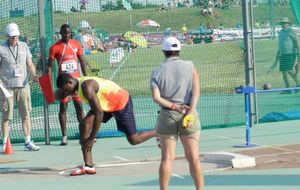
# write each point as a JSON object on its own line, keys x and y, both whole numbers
{"x": 210, "y": 7}
{"x": 83, "y": 7}
{"x": 83, "y": 37}
{"x": 15, "y": 63}
{"x": 287, "y": 54}
{"x": 175, "y": 88}
{"x": 221, "y": 26}
{"x": 238, "y": 25}
{"x": 162, "y": 8}
{"x": 184, "y": 29}
{"x": 167, "y": 32}
{"x": 67, "y": 52}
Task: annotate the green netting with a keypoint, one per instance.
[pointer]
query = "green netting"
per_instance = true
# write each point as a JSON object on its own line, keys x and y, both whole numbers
{"x": 296, "y": 8}
{"x": 217, "y": 54}
{"x": 274, "y": 106}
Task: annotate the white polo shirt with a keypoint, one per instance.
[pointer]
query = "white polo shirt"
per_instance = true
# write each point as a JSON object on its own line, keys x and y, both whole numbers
{"x": 13, "y": 67}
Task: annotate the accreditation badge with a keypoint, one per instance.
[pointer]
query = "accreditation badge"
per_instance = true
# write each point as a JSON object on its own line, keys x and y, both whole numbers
{"x": 18, "y": 71}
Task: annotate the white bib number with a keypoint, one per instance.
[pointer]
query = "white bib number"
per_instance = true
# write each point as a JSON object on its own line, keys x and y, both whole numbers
{"x": 69, "y": 66}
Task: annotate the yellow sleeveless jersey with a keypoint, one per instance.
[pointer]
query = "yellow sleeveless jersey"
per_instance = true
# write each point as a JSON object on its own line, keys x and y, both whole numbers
{"x": 111, "y": 96}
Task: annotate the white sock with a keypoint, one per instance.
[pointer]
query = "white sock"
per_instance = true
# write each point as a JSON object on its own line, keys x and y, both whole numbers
{"x": 4, "y": 140}
{"x": 27, "y": 139}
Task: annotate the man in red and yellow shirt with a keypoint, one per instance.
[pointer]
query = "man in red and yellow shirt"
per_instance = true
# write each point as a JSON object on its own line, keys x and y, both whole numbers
{"x": 106, "y": 100}
{"x": 66, "y": 52}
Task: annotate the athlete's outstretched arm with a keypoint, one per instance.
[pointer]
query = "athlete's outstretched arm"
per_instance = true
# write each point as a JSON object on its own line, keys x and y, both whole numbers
{"x": 90, "y": 89}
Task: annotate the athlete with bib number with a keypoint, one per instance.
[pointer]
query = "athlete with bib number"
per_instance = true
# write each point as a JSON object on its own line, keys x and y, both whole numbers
{"x": 67, "y": 52}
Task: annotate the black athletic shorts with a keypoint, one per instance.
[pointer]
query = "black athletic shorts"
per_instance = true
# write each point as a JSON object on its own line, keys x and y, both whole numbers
{"x": 124, "y": 118}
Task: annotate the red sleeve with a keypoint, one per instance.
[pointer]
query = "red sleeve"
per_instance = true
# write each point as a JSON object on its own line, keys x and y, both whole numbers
{"x": 80, "y": 51}
{"x": 52, "y": 52}
{"x": 77, "y": 45}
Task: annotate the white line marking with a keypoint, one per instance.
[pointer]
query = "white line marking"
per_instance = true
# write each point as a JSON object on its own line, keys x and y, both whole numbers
{"x": 230, "y": 138}
{"x": 279, "y": 148}
{"x": 123, "y": 164}
{"x": 179, "y": 176}
{"x": 278, "y": 154}
{"x": 113, "y": 165}
{"x": 121, "y": 65}
{"x": 218, "y": 169}
{"x": 64, "y": 171}
{"x": 120, "y": 158}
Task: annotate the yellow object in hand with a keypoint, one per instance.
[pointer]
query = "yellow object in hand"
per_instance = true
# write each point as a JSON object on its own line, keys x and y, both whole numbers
{"x": 188, "y": 121}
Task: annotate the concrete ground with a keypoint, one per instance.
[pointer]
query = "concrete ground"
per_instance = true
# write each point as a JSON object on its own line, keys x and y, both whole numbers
{"x": 122, "y": 166}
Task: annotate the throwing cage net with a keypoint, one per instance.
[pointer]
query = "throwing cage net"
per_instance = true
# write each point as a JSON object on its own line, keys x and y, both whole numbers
{"x": 122, "y": 42}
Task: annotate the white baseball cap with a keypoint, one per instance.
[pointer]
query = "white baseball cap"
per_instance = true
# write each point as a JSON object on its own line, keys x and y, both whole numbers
{"x": 285, "y": 20}
{"x": 12, "y": 29}
{"x": 171, "y": 44}
{"x": 84, "y": 24}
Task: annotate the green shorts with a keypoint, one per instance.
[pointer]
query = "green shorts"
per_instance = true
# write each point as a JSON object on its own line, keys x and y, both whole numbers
{"x": 287, "y": 62}
{"x": 22, "y": 96}
{"x": 169, "y": 122}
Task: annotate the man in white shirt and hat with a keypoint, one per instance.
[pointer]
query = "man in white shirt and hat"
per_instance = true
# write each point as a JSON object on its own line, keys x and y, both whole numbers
{"x": 15, "y": 63}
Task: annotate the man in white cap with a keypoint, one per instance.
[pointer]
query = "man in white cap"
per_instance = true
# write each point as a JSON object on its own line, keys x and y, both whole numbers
{"x": 176, "y": 89}
{"x": 83, "y": 37}
{"x": 287, "y": 54}
{"x": 15, "y": 63}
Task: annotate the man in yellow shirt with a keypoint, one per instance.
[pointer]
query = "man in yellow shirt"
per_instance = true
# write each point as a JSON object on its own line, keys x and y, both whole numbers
{"x": 184, "y": 29}
{"x": 106, "y": 100}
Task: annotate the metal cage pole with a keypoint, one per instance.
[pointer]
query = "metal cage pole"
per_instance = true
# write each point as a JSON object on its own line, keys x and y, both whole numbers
{"x": 248, "y": 56}
{"x": 272, "y": 18}
{"x": 41, "y": 7}
{"x": 253, "y": 65}
{"x": 248, "y": 75}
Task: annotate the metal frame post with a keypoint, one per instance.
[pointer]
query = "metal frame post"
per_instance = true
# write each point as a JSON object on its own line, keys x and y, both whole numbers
{"x": 248, "y": 115}
{"x": 248, "y": 57}
{"x": 247, "y": 91}
{"x": 272, "y": 18}
{"x": 41, "y": 8}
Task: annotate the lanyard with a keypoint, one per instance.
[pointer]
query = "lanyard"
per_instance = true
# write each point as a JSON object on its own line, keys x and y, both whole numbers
{"x": 62, "y": 55}
{"x": 14, "y": 56}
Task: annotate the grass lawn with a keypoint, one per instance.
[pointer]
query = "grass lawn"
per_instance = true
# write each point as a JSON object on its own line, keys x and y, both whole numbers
{"x": 116, "y": 22}
{"x": 220, "y": 66}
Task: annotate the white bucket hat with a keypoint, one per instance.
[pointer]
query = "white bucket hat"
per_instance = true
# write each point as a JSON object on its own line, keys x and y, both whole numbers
{"x": 12, "y": 29}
